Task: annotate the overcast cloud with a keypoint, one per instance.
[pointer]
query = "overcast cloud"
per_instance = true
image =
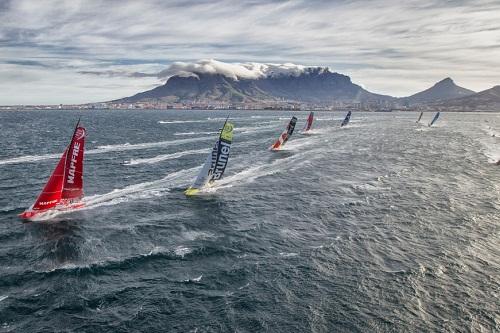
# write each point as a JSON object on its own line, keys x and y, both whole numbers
{"x": 77, "y": 51}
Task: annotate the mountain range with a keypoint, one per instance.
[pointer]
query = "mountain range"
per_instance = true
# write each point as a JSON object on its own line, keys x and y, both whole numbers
{"x": 316, "y": 85}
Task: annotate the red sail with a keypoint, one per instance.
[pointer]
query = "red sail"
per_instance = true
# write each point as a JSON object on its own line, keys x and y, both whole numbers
{"x": 309, "y": 122}
{"x": 51, "y": 193}
{"x": 73, "y": 171}
{"x": 281, "y": 141}
{"x": 285, "y": 135}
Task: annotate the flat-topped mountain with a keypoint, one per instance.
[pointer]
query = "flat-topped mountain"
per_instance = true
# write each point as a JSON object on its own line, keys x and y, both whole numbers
{"x": 257, "y": 83}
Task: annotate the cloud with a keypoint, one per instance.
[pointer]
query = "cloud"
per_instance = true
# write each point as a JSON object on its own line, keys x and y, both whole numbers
{"x": 235, "y": 71}
{"x": 390, "y": 46}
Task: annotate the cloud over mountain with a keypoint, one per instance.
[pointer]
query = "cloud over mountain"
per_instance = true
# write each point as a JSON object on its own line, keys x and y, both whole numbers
{"x": 235, "y": 71}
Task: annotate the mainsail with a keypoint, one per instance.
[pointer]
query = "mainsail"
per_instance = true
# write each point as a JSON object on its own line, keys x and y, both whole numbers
{"x": 65, "y": 185}
{"x": 420, "y": 117}
{"x": 73, "y": 171}
{"x": 309, "y": 122}
{"x": 434, "y": 119}
{"x": 216, "y": 161}
{"x": 346, "y": 119}
{"x": 285, "y": 135}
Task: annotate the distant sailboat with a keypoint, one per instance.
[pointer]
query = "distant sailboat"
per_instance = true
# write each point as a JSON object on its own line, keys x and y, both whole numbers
{"x": 216, "y": 161}
{"x": 436, "y": 116}
{"x": 64, "y": 189}
{"x": 308, "y": 125}
{"x": 346, "y": 119}
{"x": 285, "y": 135}
{"x": 420, "y": 117}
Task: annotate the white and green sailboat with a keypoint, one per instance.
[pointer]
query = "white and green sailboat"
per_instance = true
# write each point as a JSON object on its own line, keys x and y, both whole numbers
{"x": 216, "y": 161}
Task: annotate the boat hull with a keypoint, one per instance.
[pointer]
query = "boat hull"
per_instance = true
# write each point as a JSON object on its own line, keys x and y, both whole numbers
{"x": 191, "y": 191}
{"x": 32, "y": 214}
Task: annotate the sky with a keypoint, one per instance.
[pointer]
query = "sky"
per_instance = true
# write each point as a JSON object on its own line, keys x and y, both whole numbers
{"x": 79, "y": 51}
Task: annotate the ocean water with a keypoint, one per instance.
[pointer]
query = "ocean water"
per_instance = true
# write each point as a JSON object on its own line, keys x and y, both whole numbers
{"x": 380, "y": 226}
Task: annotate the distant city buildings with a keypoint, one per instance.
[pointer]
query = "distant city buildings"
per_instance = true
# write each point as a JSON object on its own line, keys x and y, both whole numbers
{"x": 374, "y": 106}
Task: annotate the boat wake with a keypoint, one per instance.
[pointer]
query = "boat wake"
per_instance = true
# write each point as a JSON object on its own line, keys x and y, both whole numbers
{"x": 106, "y": 149}
{"x": 180, "y": 121}
{"x": 29, "y": 159}
{"x": 250, "y": 174}
{"x": 194, "y": 133}
{"x": 147, "y": 145}
{"x": 164, "y": 157}
{"x": 144, "y": 190}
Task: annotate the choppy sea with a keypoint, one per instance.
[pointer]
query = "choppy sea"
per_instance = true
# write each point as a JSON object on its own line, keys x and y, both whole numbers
{"x": 381, "y": 226}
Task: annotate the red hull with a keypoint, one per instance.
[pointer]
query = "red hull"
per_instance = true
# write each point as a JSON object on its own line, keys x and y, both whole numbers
{"x": 30, "y": 214}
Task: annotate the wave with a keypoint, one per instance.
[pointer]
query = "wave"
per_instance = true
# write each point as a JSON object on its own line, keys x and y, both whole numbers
{"x": 106, "y": 149}
{"x": 181, "y": 251}
{"x": 491, "y": 148}
{"x": 263, "y": 117}
{"x": 194, "y": 133}
{"x": 164, "y": 157}
{"x": 197, "y": 279}
{"x": 329, "y": 119}
{"x": 491, "y": 132}
{"x": 191, "y": 121}
{"x": 120, "y": 263}
{"x": 29, "y": 158}
{"x": 254, "y": 129}
{"x": 146, "y": 145}
{"x": 217, "y": 119}
{"x": 180, "y": 121}
{"x": 315, "y": 131}
{"x": 143, "y": 190}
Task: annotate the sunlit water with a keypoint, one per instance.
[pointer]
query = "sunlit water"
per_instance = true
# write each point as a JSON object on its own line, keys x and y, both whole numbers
{"x": 381, "y": 226}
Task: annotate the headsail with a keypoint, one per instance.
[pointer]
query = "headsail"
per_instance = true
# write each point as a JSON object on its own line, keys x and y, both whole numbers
{"x": 346, "y": 119}
{"x": 436, "y": 116}
{"x": 216, "y": 161}
{"x": 420, "y": 117}
{"x": 309, "y": 122}
{"x": 285, "y": 135}
{"x": 52, "y": 192}
{"x": 66, "y": 181}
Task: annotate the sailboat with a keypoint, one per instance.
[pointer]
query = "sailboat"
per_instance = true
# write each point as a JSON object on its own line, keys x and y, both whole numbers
{"x": 64, "y": 189}
{"x": 285, "y": 135}
{"x": 308, "y": 125}
{"x": 420, "y": 117}
{"x": 436, "y": 116}
{"x": 346, "y": 119}
{"x": 216, "y": 161}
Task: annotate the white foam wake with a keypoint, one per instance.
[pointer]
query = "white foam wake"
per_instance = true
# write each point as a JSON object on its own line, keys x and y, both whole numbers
{"x": 193, "y": 133}
{"x": 164, "y": 157}
{"x": 146, "y": 145}
{"x": 180, "y": 121}
{"x": 29, "y": 158}
{"x": 106, "y": 149}
{"x": 144, "y": 190}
